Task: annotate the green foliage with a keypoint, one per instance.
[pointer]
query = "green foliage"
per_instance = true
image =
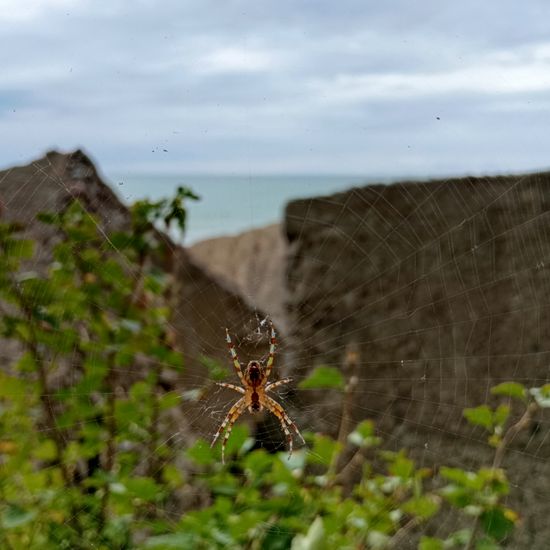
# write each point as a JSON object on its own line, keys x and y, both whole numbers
{"x": 84, "y": 461}
{"x": 541, "y": 396}
{"x": 510, "y": 389}
{"x": 323, "y": 377}
{"x": 364, "y": 435}
{"x": 82, "y": 458}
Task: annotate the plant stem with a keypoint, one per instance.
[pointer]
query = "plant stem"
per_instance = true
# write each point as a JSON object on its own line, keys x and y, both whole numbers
{"x": 45, "y": 392}
{"x": 402, "y": 533}
{"x": 523, "y": 423}
{"x": 350, "y": 365}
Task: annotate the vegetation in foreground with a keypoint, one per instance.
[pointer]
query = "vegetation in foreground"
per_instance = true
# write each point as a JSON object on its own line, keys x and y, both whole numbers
{"x": 86, "y": 454}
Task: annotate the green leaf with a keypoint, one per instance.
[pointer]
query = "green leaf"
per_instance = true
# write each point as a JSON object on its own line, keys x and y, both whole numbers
{"x": 216, "y": 371}
{"x": 324, "y": 448}
{"x": 401, "y": 466}
{"x": 277, "y": 537}
{"x": 501, "y": 415}
{"x": 458, "y": 538}
{"x": 487, "y": 543}
{"x": 47, "y": 217}
{"x": 462, "y": 477}
{"x": 256, "y": 464}
{"x": 323, "y": 377}
{"x": 144, "y": 488}
{"x": 201, "y": 453}
{"x": 423, "y": 506}
{"x": 430, "y": 543}
{"x": 313, "y": 540}
{"x": 542, "y": 396}
{"x": 363, "y": 435}
{"x": 15, "y": 516}
{"x": 496, "y": 524}
{"x": 20, "y": 249}
{"x": 480, "y": 416}
{"x": 175, "y": 541}
{"x": 510, "y": 389}
{"x": 238, "y": 443}
{"x": 46, "y": 450}
{"x": 169, "y": 401}
{"x": 12, "y": 387}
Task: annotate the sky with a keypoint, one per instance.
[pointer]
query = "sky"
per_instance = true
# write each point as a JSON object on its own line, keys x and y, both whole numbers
{"x": 289, "y": 87}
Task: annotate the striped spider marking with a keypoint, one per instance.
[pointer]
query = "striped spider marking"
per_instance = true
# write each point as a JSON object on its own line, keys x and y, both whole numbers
{"x": 254, "y": 389}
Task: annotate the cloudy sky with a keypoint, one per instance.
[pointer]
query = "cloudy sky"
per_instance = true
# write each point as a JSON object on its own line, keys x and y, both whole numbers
{"x": 356, "y": 87}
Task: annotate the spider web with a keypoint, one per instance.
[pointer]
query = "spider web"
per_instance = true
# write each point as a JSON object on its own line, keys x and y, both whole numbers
{"x": 441, "y": 288}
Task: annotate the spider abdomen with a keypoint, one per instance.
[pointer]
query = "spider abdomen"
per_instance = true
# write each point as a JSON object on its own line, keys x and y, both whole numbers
{"x": 255, "y": 402}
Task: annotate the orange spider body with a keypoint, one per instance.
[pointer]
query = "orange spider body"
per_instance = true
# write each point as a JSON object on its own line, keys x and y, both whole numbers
{"x": 254, "y": 389}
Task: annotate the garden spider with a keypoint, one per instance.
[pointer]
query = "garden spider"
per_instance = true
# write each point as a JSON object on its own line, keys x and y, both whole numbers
{"x": 254, "y": 389}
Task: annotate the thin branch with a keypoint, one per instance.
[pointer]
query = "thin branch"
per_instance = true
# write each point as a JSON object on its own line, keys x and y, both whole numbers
{"x": 403, "y": 532}
{"x": 45, "y": 392}
{"x": 350, "y": 365}
{"x": 523, "y": 423}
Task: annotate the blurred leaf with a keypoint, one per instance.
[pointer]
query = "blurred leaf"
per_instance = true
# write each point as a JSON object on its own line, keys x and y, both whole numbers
{"x": 201, "y": 453}
{"x": 402, "y": 466}
{"x": 496, "y": 524}
{"x": 364, "y": 436}
{"x": 176, "y": 541}
{"x": 486, "y": 543}
{"x": 46, "y": 450}
{"x": 20, "y": 249}
{"x": 295, "y": 462}
{"x": 501, "y": 415}
{"x": 15, "y": 516}
{"x": 422, "y": 506}
{"x": 216, "y": 371}
{"x": 48, "y": 217}
{"x": 313, "y": 540}
{"x": 480, "y": 416}
{"x": 430, "y": 543}
{"x": 377, "y": 540}
{"x": 13, "y": 387}
{"x": 144, "y": 488}
{"x": 462, "y": 477}
{"x": 323, "y": 377}
{"x": 277, "y": 538}
{"x": 510, "y": 389}
{"x": 458, "y": 538}
{"x": 172, "y": 475}
{"x": 324, "y": 448}
{"x": 542, "y": 396}
{"x": 169, "y": 401}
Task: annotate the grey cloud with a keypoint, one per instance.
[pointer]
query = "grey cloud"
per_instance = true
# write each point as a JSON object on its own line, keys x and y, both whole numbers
{"x": 289, "y": 86}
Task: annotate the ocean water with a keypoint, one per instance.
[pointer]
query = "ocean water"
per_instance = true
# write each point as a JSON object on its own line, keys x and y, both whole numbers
{"x": 232, "y": 204}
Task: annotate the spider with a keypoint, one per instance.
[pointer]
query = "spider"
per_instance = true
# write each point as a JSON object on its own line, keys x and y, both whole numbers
{"x": 255, "y": 389}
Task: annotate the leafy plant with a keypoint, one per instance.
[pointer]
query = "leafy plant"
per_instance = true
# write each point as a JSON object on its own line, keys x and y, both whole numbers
{"x": 83, "y": 459}
{"x": 86, "y": 460}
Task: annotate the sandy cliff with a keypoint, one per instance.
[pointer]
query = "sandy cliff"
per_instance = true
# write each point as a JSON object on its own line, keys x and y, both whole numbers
{"x": 204, "y": 304}
{"x": 442, "y": 287}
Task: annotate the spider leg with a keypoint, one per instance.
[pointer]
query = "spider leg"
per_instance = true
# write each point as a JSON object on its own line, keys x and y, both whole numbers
{"x": 231, "y": 386}
{"x": 285, "y": 421}
{"x": 239, "y": 410}
{"x": 234, "y": 356}
{"x": 273, "y": 385}
{"x": 286, "y": 418}
{"x": 232, "y": 415}
{"x": 271, "y": 357}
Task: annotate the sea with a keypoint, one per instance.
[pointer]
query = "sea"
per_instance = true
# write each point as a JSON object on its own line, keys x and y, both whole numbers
{"x": 232, "y": 204}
